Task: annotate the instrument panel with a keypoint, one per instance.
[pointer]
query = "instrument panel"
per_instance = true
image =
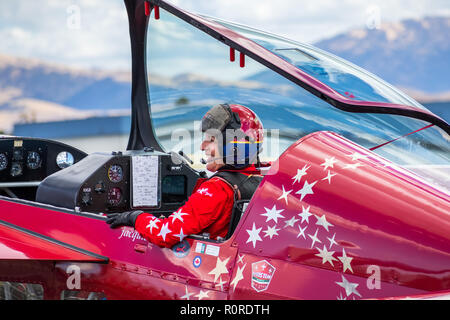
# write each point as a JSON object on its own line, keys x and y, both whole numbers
{"x": 117, "y": 182}
{"x": 32, "y": 160}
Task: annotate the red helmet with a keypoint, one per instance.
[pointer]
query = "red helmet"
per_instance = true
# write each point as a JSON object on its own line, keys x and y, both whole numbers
{"x": 241, "y": 129}
{"x": 250, "y": 123}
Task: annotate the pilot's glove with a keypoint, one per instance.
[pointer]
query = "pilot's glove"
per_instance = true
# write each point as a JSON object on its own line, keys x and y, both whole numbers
{"x": 127, "y": 218}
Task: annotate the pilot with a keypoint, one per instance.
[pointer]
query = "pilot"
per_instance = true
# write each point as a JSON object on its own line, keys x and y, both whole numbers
{"x": 232, "y": 140}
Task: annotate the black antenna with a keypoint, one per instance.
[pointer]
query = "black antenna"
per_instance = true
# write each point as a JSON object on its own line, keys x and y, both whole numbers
{"x": 142, "y": 133}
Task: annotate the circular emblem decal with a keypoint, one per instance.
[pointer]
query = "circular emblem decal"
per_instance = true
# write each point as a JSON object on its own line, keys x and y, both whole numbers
{"x": 181, "y": 249}
{"x": 197, "y": 261}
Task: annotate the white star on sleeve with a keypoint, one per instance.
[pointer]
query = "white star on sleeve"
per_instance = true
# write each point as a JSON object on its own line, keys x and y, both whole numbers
{"x": 254, "y": 235}
{"x": 307, "y": 189}
{"x": 178, "y": 215}
{"x": 273, "y": 214}
{"x": 152, "y": 224}
{"x": 181, "y": 235}
{"x": 164, "y": 231}
{"x": 284, "y": 195}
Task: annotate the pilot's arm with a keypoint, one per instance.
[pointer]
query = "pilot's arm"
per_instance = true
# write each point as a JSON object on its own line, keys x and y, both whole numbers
{"x": 208, "y": 209}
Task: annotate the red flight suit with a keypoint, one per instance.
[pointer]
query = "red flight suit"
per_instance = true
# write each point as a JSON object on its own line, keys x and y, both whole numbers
{"x": 208, "y": 210}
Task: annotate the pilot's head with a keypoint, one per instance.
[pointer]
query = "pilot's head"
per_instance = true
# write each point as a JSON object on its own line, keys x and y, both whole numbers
{"x": 232, "y": 137}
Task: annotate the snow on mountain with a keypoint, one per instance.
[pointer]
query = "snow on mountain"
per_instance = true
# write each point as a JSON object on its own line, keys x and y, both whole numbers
{"x": 411, "y": 54}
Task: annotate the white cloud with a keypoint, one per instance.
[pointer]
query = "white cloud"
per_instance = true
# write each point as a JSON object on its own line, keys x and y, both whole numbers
{"x": 40, "y": 29}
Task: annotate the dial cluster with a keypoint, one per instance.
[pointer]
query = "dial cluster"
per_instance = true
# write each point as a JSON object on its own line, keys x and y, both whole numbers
{"x": 107, "y": 190}
{"x": 32, "y": 160}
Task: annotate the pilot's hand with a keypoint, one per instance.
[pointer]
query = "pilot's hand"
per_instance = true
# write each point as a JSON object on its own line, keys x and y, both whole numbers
{"x": 127, "y": 218}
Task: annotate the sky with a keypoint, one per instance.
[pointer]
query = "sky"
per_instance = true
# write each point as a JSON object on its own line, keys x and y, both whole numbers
{"x": 94, "y": 33}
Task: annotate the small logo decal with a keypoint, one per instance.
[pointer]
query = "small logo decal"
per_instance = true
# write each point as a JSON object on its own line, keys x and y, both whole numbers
{"x": 262, "y": 273}
{"x": 200, "y": 248}
{"x": 197, "y": 261}
{"x": 181, "y": 249}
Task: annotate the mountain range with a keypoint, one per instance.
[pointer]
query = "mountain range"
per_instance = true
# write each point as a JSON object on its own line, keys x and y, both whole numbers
{"x": 413, "y": 55}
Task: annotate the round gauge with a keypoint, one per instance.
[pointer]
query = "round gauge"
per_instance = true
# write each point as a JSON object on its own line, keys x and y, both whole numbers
{"x": 114, "y": 196}
{"x": 3, "y": 161}
{"x": 115, "y": 173}
{"x": 33, "y": 160}
{"x": 16, "y": 169}
{"x": 64, "y": 159}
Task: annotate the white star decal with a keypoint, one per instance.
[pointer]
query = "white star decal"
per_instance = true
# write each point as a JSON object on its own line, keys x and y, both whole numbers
{"x": 322, "y": 221}
{"x": 164, "y": 231}
{"x": 187, "y": 295}
{"x": 341, "y": 297}
{"x": 202, "y": 294}
{"x": 239, "y": 276}
{"x": 314, "y": 238}
{"x": 329, "y": 162}
{"x": 152, "y": 224}
{"x": 273, "y": 214}
{"x": 220, "y": 283}
{"x": 221, "y": 267}
{"x": 327, "y": 256}
{"x": 178, "y": 215}
{"x": 254, "y": 235}
{"x": 285, "y": 194}
{"x": 357, "y": 156}
{"x": 353, "y": 166}
{"x": 300, "y": 174}
{"x": 348, "y": 286}
{"x": 332, "y": 241}
{"x": 307, "y": 189}
{"x": 204, "y": 191}
{"x": 181, "y": 235}
{"x": 345, "y": 261}
{"x": 291, "y": 222}
{"x": 329, "y": 176}
{"x": 301, "y": 232}
{"x": 305, "y": 214}
{"x": 271, "y": 231}
{"x": 240, "y": 258}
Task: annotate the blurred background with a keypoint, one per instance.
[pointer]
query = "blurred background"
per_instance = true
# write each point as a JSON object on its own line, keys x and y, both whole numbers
{"x": 65, "y": 64}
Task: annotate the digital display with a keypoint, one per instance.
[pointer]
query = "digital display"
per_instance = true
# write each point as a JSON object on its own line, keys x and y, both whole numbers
{"x": 174, "y": 189}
